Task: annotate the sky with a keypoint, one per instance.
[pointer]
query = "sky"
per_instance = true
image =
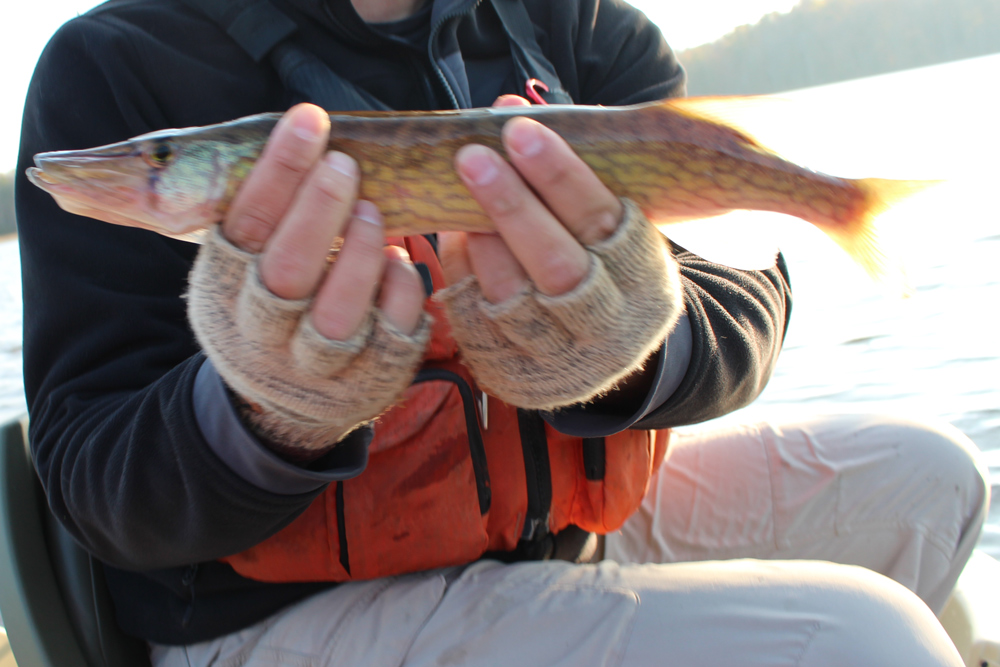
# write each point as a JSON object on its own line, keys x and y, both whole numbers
{"x": 25, "y": 30}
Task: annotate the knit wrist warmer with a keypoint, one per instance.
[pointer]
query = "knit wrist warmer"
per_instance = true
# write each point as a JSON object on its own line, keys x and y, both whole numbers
{"x": 307, "y": 391}
{"x": 541, "y": 352}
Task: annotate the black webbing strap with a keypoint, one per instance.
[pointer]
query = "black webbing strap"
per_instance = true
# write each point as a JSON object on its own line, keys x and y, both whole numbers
{"x": 594, "y": 458}
{"x": 261, "y": 29}
{"x": 529, "y": 60}
{"x": 537, "y": 473}
{"x": 308, "y": 79}
{"x": 256, "y": 25}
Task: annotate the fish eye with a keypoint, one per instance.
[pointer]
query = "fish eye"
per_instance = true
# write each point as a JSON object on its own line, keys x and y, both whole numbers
{"x": 160, "y": 155}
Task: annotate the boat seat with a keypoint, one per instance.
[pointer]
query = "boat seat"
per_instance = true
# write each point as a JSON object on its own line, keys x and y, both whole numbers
{"x": 53, "y": 597}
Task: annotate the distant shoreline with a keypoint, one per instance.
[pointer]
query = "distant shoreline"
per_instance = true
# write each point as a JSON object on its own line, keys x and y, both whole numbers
{"x": 8, "y": 237}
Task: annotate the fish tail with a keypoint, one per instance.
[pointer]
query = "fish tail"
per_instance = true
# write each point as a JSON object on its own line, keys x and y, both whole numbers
{"x": 860, "y": 236}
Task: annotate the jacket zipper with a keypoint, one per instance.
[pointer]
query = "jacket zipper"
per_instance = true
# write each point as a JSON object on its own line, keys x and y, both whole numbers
{"x": 435, "y": 29}
{"x": 477, "y": 449}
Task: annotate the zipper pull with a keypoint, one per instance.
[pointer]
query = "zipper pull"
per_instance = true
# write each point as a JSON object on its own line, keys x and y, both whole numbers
{"x": 484, "y": 410}
{"x": 531, "y": 87}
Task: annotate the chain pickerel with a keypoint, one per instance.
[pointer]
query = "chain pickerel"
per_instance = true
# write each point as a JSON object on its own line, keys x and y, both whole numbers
{"x": 673, "y": 159}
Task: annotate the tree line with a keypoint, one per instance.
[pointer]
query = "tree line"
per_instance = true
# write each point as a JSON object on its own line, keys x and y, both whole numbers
{"x": 7, "y": 225}
{"x": 823, "y": 41}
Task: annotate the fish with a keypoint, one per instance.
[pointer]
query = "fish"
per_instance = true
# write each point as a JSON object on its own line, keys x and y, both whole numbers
{"x": 677, "y": 159}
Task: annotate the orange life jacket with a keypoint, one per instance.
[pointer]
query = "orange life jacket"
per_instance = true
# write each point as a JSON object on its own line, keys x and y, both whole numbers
{"x": 451, "y": 476}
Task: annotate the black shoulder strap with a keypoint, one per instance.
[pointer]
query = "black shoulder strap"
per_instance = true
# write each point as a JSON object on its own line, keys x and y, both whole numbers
{"x": 263, "y": 30}
{"x": 308, "y": 79}
{"x": 256, "y": 25}
{"x": 531, "y": 63}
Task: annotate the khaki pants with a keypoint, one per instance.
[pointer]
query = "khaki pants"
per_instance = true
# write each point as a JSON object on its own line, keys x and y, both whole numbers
{"x": 6, "y": 656}
{"x": 723, "y": 565}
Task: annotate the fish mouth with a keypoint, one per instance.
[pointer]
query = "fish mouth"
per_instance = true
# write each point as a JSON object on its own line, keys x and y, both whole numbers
{"x": 38, "y": 177}
{"x": 107, "y": 184}
{"x": 111, "y": 184}
{"x": 87, "y": 171}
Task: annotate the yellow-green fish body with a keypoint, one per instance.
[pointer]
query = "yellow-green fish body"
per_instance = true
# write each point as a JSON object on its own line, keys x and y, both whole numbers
{"x": 675, "y": 161}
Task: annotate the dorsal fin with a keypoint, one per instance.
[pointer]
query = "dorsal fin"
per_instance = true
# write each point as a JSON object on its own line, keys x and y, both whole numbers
{"x": 735, "y": 112}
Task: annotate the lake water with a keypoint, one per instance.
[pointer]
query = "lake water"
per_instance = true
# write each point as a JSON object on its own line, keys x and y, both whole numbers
{"x": 852, "y": 345}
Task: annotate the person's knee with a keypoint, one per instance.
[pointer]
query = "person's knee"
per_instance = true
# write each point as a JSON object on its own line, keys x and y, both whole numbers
{"x": 867, "y": 619}
{"x": 931, "y": 454}
{"x": 793, "y": 613}
{"x": 952, "y": 459}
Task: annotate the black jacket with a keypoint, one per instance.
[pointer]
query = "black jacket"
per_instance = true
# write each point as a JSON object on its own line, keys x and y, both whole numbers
{"x": 110, "y": 362}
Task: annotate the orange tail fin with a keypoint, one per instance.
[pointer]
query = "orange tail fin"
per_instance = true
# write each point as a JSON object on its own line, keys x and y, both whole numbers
{"x": 860, "y": 239}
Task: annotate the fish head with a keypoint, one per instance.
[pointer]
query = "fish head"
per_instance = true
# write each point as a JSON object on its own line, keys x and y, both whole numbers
{"x": 174, "y": 182}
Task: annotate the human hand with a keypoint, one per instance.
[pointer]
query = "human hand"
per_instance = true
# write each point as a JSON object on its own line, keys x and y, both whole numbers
{"x": 317, "y": 348}
{"x": 575, "y": 290}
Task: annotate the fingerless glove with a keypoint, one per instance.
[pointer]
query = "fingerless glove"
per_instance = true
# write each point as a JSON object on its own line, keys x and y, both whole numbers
{"x": 541, "y": 352}
{"x": 309, "y": 391}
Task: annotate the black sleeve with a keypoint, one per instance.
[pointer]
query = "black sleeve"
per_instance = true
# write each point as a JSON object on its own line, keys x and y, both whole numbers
{"x": 109, "y": 360}
{"x": 738, "y": 321}
{"x": 737, "y": 318}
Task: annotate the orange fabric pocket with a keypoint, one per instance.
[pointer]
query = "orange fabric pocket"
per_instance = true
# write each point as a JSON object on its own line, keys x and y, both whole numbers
{"x": 421, "y": 503}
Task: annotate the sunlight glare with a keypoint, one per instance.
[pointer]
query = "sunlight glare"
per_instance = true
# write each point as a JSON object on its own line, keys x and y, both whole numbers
{"x": 689, "y": 24}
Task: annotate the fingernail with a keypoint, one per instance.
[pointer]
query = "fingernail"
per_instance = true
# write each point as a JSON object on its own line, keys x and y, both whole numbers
{"x": 400, "y": 255}
{"x": 343, "y": 163}
{"x": 307, "y": 126}
{"x": 367, "y": 211}
{"x": 524, "y": 137}
{"x": 511, "y": 101}
{"x": 477, "y": 165}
